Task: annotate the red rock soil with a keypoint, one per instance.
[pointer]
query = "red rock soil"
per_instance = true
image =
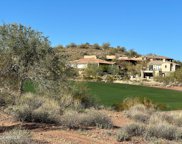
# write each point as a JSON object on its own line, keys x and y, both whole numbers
{"x": 50, "y": 134}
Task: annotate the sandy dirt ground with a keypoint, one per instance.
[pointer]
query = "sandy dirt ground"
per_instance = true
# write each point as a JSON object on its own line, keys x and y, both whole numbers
{"x": 177, "y": 88}
{"x": 151, "y": 84}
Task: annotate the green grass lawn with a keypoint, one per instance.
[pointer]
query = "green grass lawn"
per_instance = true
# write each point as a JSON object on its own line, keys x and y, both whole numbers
{"x": 109, "y": 94}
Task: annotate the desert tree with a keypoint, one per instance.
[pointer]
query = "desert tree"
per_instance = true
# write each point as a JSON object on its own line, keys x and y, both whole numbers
{"x": 105, "y": 46}
{"x": 27, "y": 54}
{"x": 132, "y": 53}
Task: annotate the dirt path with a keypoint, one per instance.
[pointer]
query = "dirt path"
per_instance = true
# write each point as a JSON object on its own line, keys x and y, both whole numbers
{"x": 151, "y": 84}
{"x": 176, "y": 88}
{"x": 91, "y": 136}
{"x": 61, "y": 136}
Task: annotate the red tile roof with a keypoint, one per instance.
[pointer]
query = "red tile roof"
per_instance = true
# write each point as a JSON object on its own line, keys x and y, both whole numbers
{"x": 156, "y": 57}
{"x": 91, "y": 61}
{"x": 130, "y": 59}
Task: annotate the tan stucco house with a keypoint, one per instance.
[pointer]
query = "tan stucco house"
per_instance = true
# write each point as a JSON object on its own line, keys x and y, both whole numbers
{"x": 159, "y": 68}
{"x": 110, "y": 57}
{"x": 156, "y": 58}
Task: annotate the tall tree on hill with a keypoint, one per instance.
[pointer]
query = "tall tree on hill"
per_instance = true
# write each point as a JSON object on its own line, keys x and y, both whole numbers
{"x": 96, "y": 46}
{"x": 122, "y": 49}
{"x": 84, "y": 46}
{"x": 132, "y": 53}
{"x": 71, "y": 45}
{"x": 105, "y": 46}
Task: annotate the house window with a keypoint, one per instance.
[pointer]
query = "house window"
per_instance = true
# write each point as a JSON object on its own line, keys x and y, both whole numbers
{"x": 150, "y": 67}
{"x": 165, "y": 66}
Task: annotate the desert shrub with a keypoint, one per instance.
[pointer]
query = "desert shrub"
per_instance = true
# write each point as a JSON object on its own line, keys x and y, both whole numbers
{"x": 109, "y": 78}
{"x": 16, "y": 136}
{"x": 162, "y": 141}
{"x": 33, "y": 108}
{"x": 157, "y": 125}
{"x": 98, "y": 78}
{"x": 123, "y": 136}
{"x": 79, "y": 92}
{"x": 177, "y": 121}
{"x": 131, "y": 130}
{"x": 160, "y": 106}
{"x": 132, "y": 101}
{"x": 159, "y": 117}
{"x": 129, "y": 102}
{"x": 99, "y": 119}
{"x": 156, "y": 118}
{"x": 175, "y": 77}
{"x": 150, "y": 132}
{"x": 140, "y": 117}
{"x": 139, "y": 113}
{"x": 165, "y": 80}
{"x": 75, "y": 120}
{"x": 161, "y": 130}
{"x": 68, "y": 102}
{"x": 139, "y": 107}
{"x": 92, "y": 71}
{"x": 6, "y": 99}
{"x": 29, "y": 86}
{"x": 174, "y": 118}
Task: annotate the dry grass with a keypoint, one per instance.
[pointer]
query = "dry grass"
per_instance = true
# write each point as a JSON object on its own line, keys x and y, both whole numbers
{"x": 158, "y": 125}
{"x": 162, "y": 130}
{"x": 130, "y": 130}
{"x": 33, "y": 108}
{"x": 16, "y": 136}
{"x": 90, "y": 118}
{"x": 139, "y": 113}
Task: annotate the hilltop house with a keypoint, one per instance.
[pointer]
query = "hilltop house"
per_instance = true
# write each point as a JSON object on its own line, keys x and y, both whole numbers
{"x": 133, "y": 60}
{"x": 110, "y": 57}
{"x": 156, "y": 65}
{"x": 159, "y": 66}
{"x": 156, "y": 58}
{"x": 84, "y": 62}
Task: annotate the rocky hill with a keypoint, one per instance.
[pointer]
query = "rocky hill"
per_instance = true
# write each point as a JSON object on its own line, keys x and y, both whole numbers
{"x": 73, "y": 51}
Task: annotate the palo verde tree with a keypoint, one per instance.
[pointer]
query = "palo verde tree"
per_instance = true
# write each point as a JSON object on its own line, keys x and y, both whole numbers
{"x": 26, "y": 54}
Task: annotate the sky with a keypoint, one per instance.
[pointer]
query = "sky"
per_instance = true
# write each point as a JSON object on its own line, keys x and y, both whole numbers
{"x": 147, "y": 26}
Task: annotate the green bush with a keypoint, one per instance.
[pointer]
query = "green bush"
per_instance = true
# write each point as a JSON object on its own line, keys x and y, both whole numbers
{"x": 29, "y": 86}
{"x": 92, "y": 71}
{"x": 175, "y": 77}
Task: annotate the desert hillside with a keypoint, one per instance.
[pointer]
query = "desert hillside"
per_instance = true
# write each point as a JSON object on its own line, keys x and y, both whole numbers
{"x": 73, "y": 51}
